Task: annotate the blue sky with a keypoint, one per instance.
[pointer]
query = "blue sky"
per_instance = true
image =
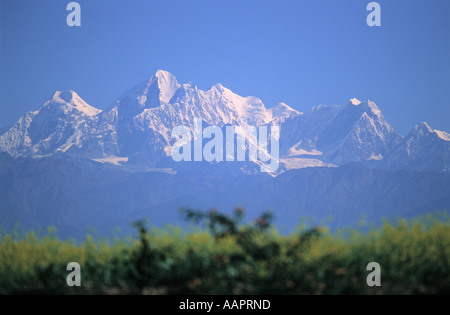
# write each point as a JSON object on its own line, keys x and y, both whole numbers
{"x": 303, "y": 53}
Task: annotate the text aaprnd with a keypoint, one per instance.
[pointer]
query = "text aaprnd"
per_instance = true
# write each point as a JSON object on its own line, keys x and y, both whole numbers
{"x": 246, "y": 305}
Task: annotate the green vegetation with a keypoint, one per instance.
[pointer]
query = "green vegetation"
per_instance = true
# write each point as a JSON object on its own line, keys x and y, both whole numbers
{"x": 229, "y": 257}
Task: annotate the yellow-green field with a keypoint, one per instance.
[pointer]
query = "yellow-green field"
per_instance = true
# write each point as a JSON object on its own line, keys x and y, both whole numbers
{"x": 231, "y": 258}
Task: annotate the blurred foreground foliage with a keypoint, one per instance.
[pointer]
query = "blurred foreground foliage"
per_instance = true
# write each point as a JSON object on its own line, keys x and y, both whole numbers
{"x": 227, "y": 256}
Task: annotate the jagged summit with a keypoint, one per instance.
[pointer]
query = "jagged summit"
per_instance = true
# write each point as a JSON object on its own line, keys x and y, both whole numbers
{"x": 63, "y": 96}
{"x": 167, "y": 85}
{"x": 218, "y": 87}
{"x": 374, "y": 108}
{"x": 423, "y": 149}
{"x": 355, "y": 101}
{"x": 163, "y": 75}
{"x": 54, "y": 127}
{"x": 137, "y": 128}
{"x": 423, "y": 129}
{"x": 282, "y": 111}
{"x": 365, "y": 106}
{"x": 70, "y": 100}
{"x": 443, "y": 135}
{"x": 151, "y": 93}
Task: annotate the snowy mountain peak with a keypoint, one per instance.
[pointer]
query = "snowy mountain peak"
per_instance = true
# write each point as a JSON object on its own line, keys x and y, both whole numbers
{"x": 374, "y": 108}
{"x": 284, "y": 107}
{"x": 282, "y": 111}
{"x": 423, "y": 149}
{"x": 54, "y": 127}
{"x": 166, "y": 83}
{"x": 220, "y": 89}
{"x": 70, "y": 100}
{"x": 423, "y": 129}
{"x": 355, "y": 101}
{"x": 163, "y": 74}
{"x": 157, "y": 90}
{"x": 63, "y": 96}
{"x": 189, "y": 86}
{"x": 367, "y": 106}
{"x": 137, "y": 127}
{"x": 443, "y": 135}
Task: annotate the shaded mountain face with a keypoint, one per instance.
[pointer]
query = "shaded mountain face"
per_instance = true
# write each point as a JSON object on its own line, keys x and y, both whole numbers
{"x": 340, "y": 134}
{"x": 55, "y": 127}
{"x": 135, "y": 131}
{"x": 422, "y": 149}
{"x": 81, "y": 193}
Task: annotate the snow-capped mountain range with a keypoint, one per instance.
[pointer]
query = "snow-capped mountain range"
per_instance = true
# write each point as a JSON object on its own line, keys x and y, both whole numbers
{"x": 135, "y": 131}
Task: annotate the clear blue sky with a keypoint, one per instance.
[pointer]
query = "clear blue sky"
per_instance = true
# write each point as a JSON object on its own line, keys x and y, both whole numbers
{"x": 303, "y": 53}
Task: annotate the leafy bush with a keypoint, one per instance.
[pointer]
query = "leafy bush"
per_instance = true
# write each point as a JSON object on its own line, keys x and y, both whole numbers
{"x": 227, "y": 256}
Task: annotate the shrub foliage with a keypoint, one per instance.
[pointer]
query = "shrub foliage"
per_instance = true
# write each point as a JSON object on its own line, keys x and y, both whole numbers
{"x": 227, "y": 256}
